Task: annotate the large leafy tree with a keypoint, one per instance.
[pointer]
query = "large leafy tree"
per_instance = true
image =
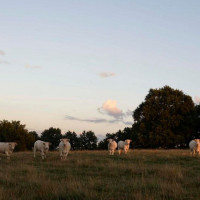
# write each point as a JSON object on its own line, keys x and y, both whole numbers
{"x": 88, "y": 140}
{"x": 14, "y": 131}
{"x": 52, "y": 135}
{"x": 197, "y": 121}
{"x": 164, "y": 119}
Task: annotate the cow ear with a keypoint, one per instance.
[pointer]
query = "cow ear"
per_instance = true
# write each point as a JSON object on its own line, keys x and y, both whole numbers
{"x": 68, "y": 140}
{"x": 16, "y": 144}
{"x": 50, "y": 143}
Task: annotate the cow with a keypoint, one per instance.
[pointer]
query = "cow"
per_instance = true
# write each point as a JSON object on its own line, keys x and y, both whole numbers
{"x": 7, "y": 148}
{"x": 123, "y": 145}
{"x": 194, "y": 146}
{"x": 112, "y": 145}
{"x": 41, "y": 146}
{"x": 64, "y": 148}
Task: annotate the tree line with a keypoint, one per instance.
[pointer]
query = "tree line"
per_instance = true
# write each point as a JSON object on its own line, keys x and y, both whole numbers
{"x": 167, "y": 118}
{"x": 14, "y": 131}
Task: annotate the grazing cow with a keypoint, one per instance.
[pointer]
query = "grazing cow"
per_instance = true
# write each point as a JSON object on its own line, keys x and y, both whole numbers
{"x": 7, "y": 148}
{"x": 123, "y": 145}
{"x": 194, "y": 146}
{"x": 112, "y": 145}
{"x": 64, "y": 148}
{"x": 41, "y": 146}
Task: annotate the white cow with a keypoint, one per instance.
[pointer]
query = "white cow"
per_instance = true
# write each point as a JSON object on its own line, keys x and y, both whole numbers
{"x": 64, "y": 148}
{"x": 112, "y": 145}
{"x": 194, "y": 146}
{"x": 7, "y": 148}
{"x": 123, "y": 145}
{"x": 41, "y": 146}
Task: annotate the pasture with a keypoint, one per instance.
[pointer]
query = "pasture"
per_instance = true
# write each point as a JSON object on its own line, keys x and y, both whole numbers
{"x": 94, "y": 175}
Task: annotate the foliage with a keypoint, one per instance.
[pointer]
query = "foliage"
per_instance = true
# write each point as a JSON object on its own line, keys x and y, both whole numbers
{"x": 88, "y": 141}
{"x": 52, "y": 135}
{"x": 15, "y": 132}
{"x": 164, "y": 119}
{"x": 196, "y": 121}
{"x": 34, "y": 134}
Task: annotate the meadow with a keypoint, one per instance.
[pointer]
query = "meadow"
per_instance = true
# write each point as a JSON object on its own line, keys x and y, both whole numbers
{"x": 94, "y": 175}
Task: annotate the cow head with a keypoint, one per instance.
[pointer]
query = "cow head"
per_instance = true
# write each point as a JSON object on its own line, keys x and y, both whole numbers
{"x": 12, "y": 145}
{"x": 128, "y": 141}
{"x": 46, "y": 145}
{"x": 65, "y": 141}
{"x": 110, "y": 140}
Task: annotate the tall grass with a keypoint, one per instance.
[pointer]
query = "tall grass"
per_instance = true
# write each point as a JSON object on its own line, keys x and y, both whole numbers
{"x": 142, "y": 174}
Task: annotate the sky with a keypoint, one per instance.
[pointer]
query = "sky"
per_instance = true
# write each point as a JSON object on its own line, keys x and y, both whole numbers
{"x": 87, "y": 65}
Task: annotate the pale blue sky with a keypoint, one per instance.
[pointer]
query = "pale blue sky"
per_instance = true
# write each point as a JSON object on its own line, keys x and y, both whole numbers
{"x": 52, "y": 55}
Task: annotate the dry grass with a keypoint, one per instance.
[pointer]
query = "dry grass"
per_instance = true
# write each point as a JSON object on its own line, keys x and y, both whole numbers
{"x": 142, "y": 174}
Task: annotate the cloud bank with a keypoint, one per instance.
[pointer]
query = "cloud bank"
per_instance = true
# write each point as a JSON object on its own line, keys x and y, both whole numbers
{"x": 94, "y": 120}
{"x": 109, "y": 108}
{"x": 97, "y": 120}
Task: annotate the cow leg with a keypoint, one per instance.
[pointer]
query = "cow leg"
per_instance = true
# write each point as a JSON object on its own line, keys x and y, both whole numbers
{"x": 7, "y": 155}
{"x": 61, "y": 155}
{"x": 43, "y": 155}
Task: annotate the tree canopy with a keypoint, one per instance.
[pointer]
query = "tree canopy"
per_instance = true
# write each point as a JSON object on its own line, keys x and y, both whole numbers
{"x": 88, "y": 140}
{"x": 164, "y": 119}
{"x": 52, "y": 135}
{"x": 14, "y": 131}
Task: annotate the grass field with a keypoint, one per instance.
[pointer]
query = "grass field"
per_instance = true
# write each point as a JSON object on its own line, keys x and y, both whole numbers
{"x": 142, "y": 174}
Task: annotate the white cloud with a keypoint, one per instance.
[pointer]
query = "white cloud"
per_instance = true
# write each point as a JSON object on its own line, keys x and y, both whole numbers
{"x": 2, "y": 52}
{"x": 197, "y": 99}
{"x": 109, "y": 107}
{"x": 106, "y": 74}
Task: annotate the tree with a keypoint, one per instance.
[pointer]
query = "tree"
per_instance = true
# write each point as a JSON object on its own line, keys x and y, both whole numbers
{"x": 52, "y": 135}
{"x": 14, "y": 131}
{"x": 88, "y": 140}
{"x": 197, "y": 121}
{"x": 34, "y": 134}
{"x": 164, "y": 119}
{"x": 123, "y": 135}
{"x": 74, "y": 140}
